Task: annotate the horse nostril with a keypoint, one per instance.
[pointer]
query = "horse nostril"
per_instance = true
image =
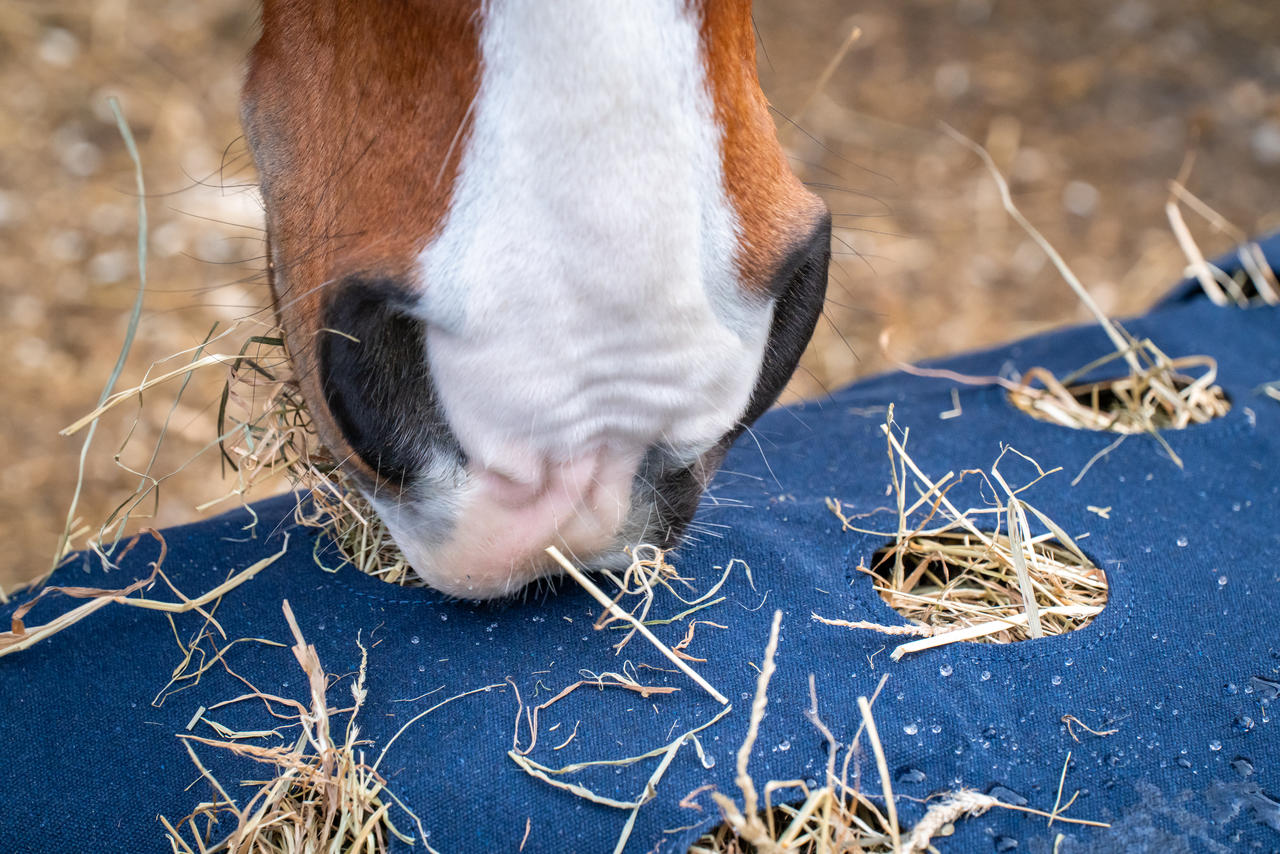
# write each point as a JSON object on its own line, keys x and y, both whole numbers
{"x": 375, "y": 380}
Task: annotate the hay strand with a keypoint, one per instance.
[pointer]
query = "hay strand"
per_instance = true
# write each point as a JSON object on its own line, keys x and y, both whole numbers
{"x": 21, "y": 637}
{"x": 131, "y": 331}
{"x": 612, "y": 606}
{"x": 1156, "y": 394}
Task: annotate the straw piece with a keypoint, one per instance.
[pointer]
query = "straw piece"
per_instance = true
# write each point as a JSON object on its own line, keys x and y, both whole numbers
{"x": 1198, "y": 266}
{"x": 21, "y": 637}
{"x": 993, "y": 624}
{"x": 600, "y": 596}
{"x": 135, "y": 316}
{"x": 746, "y": 822}
{"x": 644, "y": 576}
{"x": 882, "y": 765}
{"x": 615, "y": 680}
{"x": 910, "y": 629}
{"x": 550, "y": 775}
{"x": 1154, "y": 395}
{"x": 1018, "y": 535}
{"x": 121, "y": 396}
{"x": 1252, "y": 260}
{"x": 956, "y": 805}
{"x": 1072, "y": 719}
{"x": 1007, "y": 199}
{"x": 1061, "y": 782}
{"x": 758, "y": 705}
{"x": 650, "y": 792}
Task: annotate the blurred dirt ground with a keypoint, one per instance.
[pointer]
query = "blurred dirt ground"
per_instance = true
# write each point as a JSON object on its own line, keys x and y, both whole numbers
{"x": 1090, "y": 106}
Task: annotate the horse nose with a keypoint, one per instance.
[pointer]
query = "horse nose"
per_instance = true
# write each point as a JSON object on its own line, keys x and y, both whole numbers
{"x": 471, "y": 524}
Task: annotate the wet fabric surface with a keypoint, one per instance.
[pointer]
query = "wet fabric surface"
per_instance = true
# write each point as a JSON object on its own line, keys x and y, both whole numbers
{"x": 1184, "y": 662}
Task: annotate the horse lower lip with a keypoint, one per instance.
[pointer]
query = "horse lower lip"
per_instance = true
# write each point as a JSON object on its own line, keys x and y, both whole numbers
{"x": 501, "y": 526}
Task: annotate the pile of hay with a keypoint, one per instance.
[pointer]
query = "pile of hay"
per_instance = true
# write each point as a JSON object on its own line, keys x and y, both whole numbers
{"x": 322, "y": 795}
{"x": 973, "y": 574}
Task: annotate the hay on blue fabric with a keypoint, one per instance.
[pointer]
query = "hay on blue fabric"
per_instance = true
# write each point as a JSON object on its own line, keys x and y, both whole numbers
{"x": 836, "y": 816}
{"x": 1156, "y": 394}
{"x": 323, "y": 795}
{"x": 971, "y": 573}
{"x": 266, "y": 435}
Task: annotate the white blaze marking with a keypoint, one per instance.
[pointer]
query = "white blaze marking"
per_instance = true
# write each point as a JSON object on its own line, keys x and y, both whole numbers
{"x": 582, "y": 292}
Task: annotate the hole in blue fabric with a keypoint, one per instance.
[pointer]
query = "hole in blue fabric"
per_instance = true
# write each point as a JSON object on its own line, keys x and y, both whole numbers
{"x": 1159, "y": 398}
{"x": 941, "y": 582}
{"x": 858, "y": 825}
{"x": 1241, "y": 288}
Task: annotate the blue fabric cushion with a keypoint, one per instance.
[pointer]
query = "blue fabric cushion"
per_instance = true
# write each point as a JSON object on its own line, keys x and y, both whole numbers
{"x": 1183, "y": 663}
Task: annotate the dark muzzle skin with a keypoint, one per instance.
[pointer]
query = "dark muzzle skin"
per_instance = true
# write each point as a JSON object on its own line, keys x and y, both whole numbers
{"x": 377, "y": 383}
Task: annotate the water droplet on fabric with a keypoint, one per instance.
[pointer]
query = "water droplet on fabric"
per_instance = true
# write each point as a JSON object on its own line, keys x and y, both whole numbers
{"x": 1243, "y": 766}
{"x": 415, "y": 639}
{"x": 986, "y": 674}
{"x": 1182, "y": 542}
{"x": 910, "y": 775}
{"x": 1005, "y": 843}
{"x": 1215, "y": 745}
{"x": 1244, "y": 723}
{"x": 911, "y": 729}
{"x": 1056, "y": 680}
{"x": 1007, "y": 795}
{"x": 1222, "y": 581}
{"x": 1268, "y": 689}
{"x": 945, "y": 670}
{"x": 1184, "y": 762}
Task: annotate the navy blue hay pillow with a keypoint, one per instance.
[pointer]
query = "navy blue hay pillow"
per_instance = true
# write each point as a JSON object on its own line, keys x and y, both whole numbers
{"x": 1183, "y": 663}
